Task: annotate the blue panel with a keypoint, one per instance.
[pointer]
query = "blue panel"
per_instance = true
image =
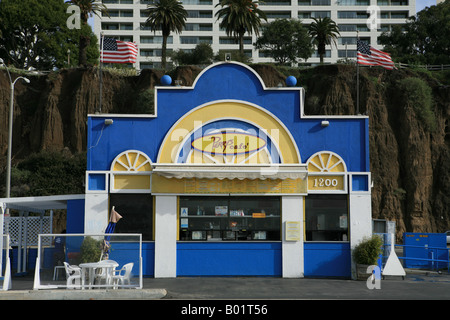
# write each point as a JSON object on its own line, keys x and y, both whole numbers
{"x": 327, "y": 260}
{"x": 97, "y": 181}
{"x": 129, "y": 252}
{"x": 415, "y": 247}
{"x": 75, "y": 216}
{"x": 229, "y": 259}
{"x": 360, "y": 183}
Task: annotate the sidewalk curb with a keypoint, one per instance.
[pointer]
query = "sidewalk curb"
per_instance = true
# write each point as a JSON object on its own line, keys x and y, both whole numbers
{"x": 126, "y": 294}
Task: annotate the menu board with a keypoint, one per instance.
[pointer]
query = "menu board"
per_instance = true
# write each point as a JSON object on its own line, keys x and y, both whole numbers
{"x": 292, "y": 231}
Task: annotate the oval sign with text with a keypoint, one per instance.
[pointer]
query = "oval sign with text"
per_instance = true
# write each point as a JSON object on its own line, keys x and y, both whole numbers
{"x": 228, "y": 143}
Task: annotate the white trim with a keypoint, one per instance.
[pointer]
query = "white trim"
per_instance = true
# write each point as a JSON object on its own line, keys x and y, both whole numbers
{"x": 369, "y": 183}
{"x": 106, "y": 173}
{"x": 121, "y": 115}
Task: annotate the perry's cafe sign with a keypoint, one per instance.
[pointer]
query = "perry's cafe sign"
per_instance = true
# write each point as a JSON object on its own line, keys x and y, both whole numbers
{"x": 228, "y": 143}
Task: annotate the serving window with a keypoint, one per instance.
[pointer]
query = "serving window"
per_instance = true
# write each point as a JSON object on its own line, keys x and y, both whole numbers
{"x": 326, "y": 217}
{"x": 229, "y": 218}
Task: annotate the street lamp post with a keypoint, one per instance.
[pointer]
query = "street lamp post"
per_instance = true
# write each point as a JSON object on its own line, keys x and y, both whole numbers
{"x": 11, "y": 110}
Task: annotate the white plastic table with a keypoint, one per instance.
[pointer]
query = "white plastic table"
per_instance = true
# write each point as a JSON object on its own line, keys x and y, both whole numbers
{"x": 92, "y": 266}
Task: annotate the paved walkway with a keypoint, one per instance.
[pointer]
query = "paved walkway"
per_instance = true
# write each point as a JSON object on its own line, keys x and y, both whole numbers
{"x": 419, "y": 285}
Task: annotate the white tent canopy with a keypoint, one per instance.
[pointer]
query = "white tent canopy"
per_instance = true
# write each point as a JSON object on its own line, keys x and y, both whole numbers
{"x": 25, "y": 205}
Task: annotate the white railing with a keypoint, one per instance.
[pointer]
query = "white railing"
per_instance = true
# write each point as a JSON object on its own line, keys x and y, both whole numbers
{"x": 123, "y": 249}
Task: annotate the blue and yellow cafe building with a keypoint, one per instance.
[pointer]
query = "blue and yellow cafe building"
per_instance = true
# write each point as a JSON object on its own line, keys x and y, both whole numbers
{"x": 231, "y": 178}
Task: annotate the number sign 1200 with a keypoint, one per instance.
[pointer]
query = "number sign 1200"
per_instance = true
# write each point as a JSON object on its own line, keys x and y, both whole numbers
{"x": 325, "y": 182}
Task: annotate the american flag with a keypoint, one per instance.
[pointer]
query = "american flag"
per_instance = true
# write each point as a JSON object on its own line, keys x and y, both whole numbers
{"x": 370, "y": 56}
{"x": 115, "y": 51}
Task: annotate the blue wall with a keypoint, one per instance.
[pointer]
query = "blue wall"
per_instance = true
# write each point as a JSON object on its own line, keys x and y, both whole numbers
{"x": 229, "y": 259}
{"x": 347, "y": 137}
{"x": 327, "y": 260}
{"x": 75, "y": 216}
{"x": 124, "y": 253}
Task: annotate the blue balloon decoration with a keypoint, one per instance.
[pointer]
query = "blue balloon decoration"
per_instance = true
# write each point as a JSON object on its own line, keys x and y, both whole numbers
{"x": 166, "y": 80}
{"x": 291, "y": 81}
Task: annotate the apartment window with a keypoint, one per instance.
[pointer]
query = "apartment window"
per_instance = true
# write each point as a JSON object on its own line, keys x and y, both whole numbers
{"x": 326, "y": 55}
{"x": 227, "y": 40}
{"x": 353, "y": 15}
{"x": 278, "y": 14}
{"x": 313, "y": 14}
{"x": 353, "y": 27}
{"x": 393, "y": 2}
{"x": 197, "y": 2}
{"x": 155, "y": 39}
{"x": 203, "y": 14}
{"x": 198, "y": 27}
{"x": 276, "y": 3}
{"x": 346, "y": 53}
{"x": 110, "y": 26}
{"x": 314, "y": 2}
{"x": 195, "y": 40}
{"x": 126, "y": 26}
{"x": 354, "y": 3}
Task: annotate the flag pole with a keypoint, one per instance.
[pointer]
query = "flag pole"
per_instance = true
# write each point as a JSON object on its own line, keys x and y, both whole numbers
{"x": 101, "y": 73}
{"x": 357, "y": 74}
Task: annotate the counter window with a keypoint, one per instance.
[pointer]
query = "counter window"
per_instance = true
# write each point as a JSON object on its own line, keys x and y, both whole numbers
{"x": 229, "y": 218}
{"x": 137, "y": 213}
{"x": 326, "y": 217}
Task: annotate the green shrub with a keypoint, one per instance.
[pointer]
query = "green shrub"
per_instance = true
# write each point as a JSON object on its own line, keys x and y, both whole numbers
{"x": 90, "y": 250}
{"x": 418, "y": 94}
{"x": 368, "y": 250}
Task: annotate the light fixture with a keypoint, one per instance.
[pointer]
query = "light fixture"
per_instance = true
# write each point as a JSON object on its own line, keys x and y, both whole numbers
{"x": 109, "y": 122}
{"x": 325, "y": 123}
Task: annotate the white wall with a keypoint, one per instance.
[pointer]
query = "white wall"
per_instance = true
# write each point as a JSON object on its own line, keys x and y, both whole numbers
{"x": 292, "y": 251}
{"x": 165, "y": 236}
{"x": 96, "y": 213}
{"x": 360, "y": 217}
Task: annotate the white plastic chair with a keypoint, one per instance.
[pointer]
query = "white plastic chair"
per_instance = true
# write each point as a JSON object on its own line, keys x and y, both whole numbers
{"x": 123, "y": 275}
{"x": 105, "y": 273}
{"x": 73, "y": 275}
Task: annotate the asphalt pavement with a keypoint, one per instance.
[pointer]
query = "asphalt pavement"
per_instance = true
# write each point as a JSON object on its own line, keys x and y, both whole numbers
{"x": 418, "y": 285}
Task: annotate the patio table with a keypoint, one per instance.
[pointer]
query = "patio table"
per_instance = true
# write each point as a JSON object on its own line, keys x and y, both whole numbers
{"x": 108, "y": 267}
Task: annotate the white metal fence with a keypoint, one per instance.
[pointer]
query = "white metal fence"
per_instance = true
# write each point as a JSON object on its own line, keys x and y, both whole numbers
{"x": 87, "y": 261}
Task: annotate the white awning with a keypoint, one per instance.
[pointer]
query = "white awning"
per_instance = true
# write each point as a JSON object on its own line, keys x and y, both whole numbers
{"x": 231, "y": 171}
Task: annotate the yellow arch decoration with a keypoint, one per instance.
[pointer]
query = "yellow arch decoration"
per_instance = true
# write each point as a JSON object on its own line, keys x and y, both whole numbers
{"x": 229, "y": 110}
{"x": 131, "y": 172}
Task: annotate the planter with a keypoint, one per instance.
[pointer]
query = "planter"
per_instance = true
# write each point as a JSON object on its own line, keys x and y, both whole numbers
{"x": 361, "y": 272}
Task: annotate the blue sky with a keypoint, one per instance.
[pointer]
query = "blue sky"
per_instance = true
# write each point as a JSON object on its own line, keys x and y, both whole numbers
{"x": 421, "y": 4}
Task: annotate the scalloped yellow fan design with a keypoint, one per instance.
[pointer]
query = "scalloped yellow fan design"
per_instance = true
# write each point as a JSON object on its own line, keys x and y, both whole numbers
{"x": 326, "y": 161}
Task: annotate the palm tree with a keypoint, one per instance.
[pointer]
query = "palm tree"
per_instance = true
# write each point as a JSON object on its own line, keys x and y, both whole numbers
{"x": 167, "y": 16}
{"x": 323, "y": 31}
{"x": 87, "y": 8}
{"x": 239, "y": 17}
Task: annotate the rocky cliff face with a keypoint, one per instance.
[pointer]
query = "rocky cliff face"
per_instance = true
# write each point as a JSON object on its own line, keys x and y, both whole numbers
{"x": 410, "y": 163}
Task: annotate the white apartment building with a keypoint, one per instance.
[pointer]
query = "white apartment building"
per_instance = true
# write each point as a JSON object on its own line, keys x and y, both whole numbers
{"x": 127, "y": 23}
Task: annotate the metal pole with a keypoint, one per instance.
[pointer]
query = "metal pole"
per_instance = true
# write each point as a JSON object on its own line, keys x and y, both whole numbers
{"x": 10, "y": 125}
{"x": 357, "y": 77}
{"x": 101, "y": 74}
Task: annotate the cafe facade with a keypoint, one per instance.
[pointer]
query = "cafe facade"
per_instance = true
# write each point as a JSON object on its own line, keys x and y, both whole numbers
{"x": 231, "y": 178}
